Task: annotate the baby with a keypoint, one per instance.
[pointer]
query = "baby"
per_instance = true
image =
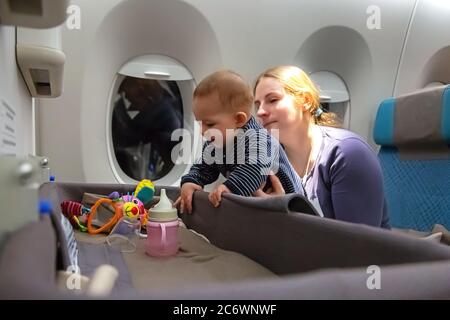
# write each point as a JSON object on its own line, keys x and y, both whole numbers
{"x": 236, "y": 145}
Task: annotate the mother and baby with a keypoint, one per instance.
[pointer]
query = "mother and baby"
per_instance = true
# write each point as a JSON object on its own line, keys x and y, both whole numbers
{"x": 334, "y": 168}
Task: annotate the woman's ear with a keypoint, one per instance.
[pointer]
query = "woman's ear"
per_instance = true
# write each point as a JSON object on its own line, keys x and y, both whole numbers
{"x": 240, "y": 119}
{"x": 307, "y": 101}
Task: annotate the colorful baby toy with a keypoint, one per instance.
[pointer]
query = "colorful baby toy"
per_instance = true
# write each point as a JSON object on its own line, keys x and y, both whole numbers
{"x": 130, "y": 207}
{"x": 74, "y": 211}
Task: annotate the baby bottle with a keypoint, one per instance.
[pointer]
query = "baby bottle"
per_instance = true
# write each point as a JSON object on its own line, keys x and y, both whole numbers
{"x": 162, "y": 228}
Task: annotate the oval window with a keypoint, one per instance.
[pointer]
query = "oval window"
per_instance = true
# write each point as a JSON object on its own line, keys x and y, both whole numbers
{"x": 334, "y": 95}
{"x": 145, "y": 113}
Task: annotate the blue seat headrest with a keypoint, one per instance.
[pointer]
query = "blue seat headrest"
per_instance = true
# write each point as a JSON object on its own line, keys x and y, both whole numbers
{"x": 419, "y": 118}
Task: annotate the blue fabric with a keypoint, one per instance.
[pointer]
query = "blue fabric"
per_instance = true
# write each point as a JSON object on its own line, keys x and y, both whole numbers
{"x": 383, "y": 131}
{"x": 417, "y": 192}
{"x": 446, "y": 115}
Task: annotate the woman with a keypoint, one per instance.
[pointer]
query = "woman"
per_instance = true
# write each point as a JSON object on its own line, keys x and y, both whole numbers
{"x": 340, "y": 172}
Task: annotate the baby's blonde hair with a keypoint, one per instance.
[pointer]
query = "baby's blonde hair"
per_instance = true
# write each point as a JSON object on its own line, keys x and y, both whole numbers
{"x": 234, "y": 93}
{"x": 296, "y": 83}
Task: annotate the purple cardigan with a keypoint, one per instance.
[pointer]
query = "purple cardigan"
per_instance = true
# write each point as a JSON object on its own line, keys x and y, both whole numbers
{"x": 347, "y": 180}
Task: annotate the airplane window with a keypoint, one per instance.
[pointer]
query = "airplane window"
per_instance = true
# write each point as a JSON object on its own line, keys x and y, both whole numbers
{"x": 145, "y": 114}
{"x": 325, "y": 106}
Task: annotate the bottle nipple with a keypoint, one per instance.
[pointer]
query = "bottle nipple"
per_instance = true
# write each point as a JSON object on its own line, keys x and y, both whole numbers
{"x": 163, "y": 210}
{"x": 164, "y": 202}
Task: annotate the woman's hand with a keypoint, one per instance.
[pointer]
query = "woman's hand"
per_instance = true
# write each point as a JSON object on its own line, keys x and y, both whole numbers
{"x": 276, "y": 189}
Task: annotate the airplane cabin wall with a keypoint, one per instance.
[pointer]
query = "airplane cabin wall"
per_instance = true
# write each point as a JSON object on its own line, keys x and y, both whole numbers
{"x": 426, "y": 57}
{"x": 205, "y": 35}
{"x": 16, "y": 111}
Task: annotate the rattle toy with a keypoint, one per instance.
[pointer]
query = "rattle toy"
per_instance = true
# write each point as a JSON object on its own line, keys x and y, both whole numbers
{"x": 130, "y": 207}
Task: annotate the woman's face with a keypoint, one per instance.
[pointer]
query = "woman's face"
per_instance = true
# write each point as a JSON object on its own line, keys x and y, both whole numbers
{"x": 275, "y": 108}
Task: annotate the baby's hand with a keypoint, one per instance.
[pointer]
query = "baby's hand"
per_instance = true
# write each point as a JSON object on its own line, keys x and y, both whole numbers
{"x": 215, "y": 196}
{"x": 184, "y": 201}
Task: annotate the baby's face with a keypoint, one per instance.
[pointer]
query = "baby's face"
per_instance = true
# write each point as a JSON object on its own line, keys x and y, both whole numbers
{"x": 214, "y": 119}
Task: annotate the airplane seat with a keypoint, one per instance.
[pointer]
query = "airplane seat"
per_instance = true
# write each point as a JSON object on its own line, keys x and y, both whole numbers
{"x": 413, "y": 131}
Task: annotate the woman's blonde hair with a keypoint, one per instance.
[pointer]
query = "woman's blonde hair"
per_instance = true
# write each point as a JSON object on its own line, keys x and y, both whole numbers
{"x": 296, "y": 83}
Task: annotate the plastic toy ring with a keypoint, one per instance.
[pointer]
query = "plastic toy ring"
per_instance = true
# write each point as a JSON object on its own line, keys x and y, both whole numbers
{"x": 107, "y": 226}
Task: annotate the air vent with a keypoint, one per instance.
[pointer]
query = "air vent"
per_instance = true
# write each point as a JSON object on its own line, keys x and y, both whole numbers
{"x": 8, "y": 131}
{"x": 42, "y": 68}
{"x": 27, "y": 7}
{"x": 41, "y": 80}
{"x": 41, "y": 14}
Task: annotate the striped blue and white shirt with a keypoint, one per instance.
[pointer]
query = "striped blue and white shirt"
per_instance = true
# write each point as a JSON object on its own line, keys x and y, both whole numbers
{"x": 246, "y": 166}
